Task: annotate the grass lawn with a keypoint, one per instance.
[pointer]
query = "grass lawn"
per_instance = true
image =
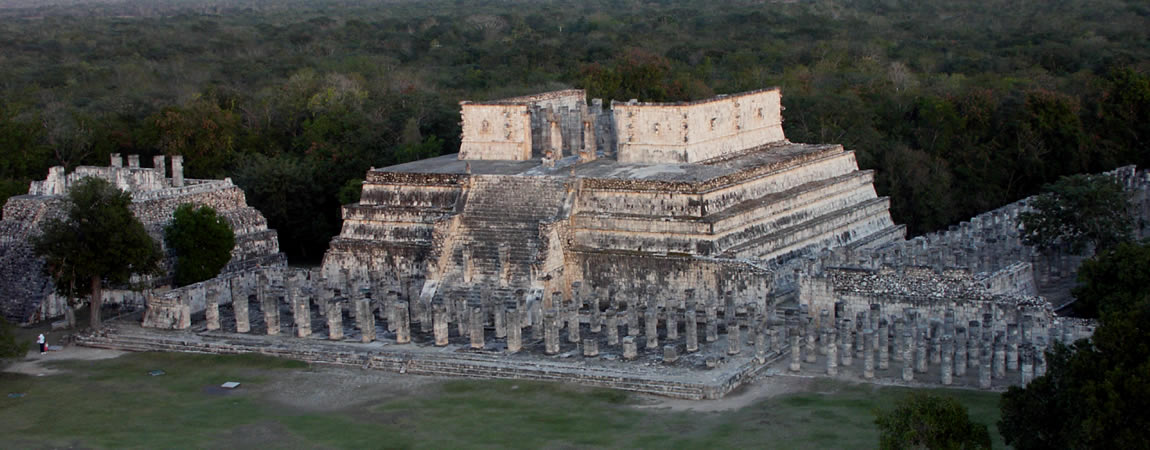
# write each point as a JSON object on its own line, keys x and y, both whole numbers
{"x": 115, "y": 403}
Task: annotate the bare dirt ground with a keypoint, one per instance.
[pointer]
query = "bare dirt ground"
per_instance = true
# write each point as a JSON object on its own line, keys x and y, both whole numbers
{"x": 32, "y": 364}
{"x": 319, "y": 389}
{"x": 761, "y": 388}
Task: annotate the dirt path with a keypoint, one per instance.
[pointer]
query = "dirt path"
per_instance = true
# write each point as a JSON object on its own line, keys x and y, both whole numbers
{"x": 761, "y": 388}
{"x": 32, "y": 364}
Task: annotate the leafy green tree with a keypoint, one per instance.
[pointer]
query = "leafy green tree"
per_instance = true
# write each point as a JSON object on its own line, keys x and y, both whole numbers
{"x": 1113, "y": 280}
{"x": 1094, "y": 392}
{"x": 928, "y": 421}
{"x": 351, "y": 191}
{"x": 202, "y": 242}
{"x": 1079, "y": 211}
{"x": 99, "y": 243}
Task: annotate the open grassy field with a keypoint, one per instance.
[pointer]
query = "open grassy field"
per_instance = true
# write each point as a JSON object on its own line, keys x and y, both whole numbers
{"x": 285, "y": 404}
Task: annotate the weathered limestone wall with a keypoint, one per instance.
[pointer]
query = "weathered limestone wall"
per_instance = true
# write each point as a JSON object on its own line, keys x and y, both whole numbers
{"x": 697, "y": 131}
{"x": 495, "y": 131}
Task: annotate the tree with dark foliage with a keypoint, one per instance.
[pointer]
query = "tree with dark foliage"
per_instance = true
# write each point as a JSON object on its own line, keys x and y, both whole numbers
{"x": 100, "y": 242}
{"x": 927, "y": 421}
{"x": 202, "y": 242}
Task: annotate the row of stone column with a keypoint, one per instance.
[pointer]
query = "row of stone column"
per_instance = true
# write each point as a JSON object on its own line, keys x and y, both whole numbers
{"x": 917, "y": 344}
{"x": 628, "y": 327}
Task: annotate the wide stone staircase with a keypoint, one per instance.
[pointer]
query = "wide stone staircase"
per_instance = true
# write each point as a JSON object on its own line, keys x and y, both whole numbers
{"x": 498, "y": 242}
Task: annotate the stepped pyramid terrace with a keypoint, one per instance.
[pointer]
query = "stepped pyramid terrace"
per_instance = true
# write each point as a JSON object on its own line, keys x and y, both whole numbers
{"x": 635, "y": 200}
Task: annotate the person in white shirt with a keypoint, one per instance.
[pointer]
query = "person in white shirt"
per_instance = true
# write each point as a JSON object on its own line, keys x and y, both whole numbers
{"x": 43, "y": 343}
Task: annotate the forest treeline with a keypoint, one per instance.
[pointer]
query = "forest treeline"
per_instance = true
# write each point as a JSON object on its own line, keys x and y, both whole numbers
{"x": 959, "y": 106}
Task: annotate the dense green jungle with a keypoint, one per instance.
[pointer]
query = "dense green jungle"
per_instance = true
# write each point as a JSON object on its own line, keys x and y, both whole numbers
{"x": 960, "y": 106}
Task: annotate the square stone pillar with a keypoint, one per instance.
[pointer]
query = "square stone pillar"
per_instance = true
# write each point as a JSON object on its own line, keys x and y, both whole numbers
{"x": 177, "y": 171}
{"x": 651, "y": 321}
{"x": 476, "y": 328}
{"x": 499, "y": 317}
{"x": 947, "y": 359}
{"x": 514, "y": 331}
{"x": 364, "y": 319}
{"x": 612, "y": 327}
{"x": 551, "y": 332}
{"x": 440, "y": 328}
{"x": 920, "y": 357}
{"x": 537, "y": 325}
{"x": 907, "y": 355}
{"x": 573, "y": 324}
{"x": 984, "y": 369}
{"x": 133, "y": 161}
{"x": 240, "y": 308}
{"x": 692, "y": 329}
{"x": 870, "y": 341}
{"x": 672, "y": 323}
{"x": 1012, "y": 347}
{"x": 403, "y": 328}
{"x": 846, "y": 343}
{"x": 712, "y": 324}
{"x": 670, "y": 354}
{"x": 632, "y": 319}
{"x": 796, "y": 350}
{"x": 832, "y": 353}
{"x": 158, "y": 165}
{"x": 630, "y": 349}
{"x": 960, "y": 352}
{"x": 883, "y": 345}
{"x": 974, "y": 336}
{"x": 271, "y": 308}
{"x": 590, "y": 347}
{"x": 733, "y": 339}
{"x": 389, "y": 308}
{"x": 999, "y": 362}
{"x": 761, "y": 340}
{"x": 301, "y": 310}
{"x": 212, "y": 312}
{"x": 596, "y": 313}
{"x": 335, "y": 320}
{"x": 116, "y": 160}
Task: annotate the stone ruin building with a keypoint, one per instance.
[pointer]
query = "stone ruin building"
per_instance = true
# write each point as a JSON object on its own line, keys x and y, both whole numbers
{"x": 679, "y": 249}
{"x": 27, "y": 295}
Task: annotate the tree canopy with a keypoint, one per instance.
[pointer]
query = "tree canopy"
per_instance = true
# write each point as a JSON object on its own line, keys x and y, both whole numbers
{"x": 202, "y": 242}
{"x": 1080, "y": 211}
{"x": 959, "y": 107}
{"x": 927, "y": 421}
{"x": 1095, "y": 391}
{"x": 99, "y": 243}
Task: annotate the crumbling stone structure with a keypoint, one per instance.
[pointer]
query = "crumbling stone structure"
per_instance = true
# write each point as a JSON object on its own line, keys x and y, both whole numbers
{"x": 678, "y": 249}
{"x": 27, "y": 295}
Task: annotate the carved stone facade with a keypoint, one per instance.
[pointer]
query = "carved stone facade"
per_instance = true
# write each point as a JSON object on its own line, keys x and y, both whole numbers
{"x": 26, "y": 294}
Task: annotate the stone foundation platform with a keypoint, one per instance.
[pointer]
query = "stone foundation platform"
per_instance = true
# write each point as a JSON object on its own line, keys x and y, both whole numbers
{"x": 647, "y": 374}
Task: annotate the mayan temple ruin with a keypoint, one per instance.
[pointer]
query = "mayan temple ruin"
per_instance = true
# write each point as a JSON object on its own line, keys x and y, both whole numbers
{"x": 681, "y": 249}
{"x": 27, "y": 295}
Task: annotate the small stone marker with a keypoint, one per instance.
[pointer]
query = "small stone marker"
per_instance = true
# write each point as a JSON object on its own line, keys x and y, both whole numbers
{"x": 230, "y": 385}
{"x": 156, "y": 373}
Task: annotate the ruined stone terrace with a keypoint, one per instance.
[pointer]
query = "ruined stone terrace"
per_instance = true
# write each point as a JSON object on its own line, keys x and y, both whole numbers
{"x": 26, "y": 294}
